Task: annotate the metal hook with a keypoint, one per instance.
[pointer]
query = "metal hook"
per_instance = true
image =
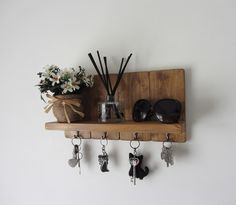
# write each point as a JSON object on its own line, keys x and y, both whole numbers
{"x": 167, "y": 137}
{"x": 105, "y": 135}
{"x": 135, "y": 140}
{"x": 104, "y": 138}
{"x": 78, "y": 136}
{"x": 168, "y": 142}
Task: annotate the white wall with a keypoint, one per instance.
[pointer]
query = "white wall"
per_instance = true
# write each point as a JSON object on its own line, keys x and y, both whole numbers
{"x": 196, "y": 35}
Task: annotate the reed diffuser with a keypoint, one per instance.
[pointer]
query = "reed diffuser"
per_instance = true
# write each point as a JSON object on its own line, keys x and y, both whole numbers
{"x": 109, "y": 111}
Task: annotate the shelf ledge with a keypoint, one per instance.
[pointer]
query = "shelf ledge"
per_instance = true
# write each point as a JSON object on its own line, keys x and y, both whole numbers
{"x": 127, "y": 126}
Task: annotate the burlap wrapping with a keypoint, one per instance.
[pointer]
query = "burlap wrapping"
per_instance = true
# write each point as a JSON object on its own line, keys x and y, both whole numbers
{"x": 66, "y": 108}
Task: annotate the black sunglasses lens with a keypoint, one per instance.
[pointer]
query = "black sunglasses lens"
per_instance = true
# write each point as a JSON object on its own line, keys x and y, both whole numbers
{"x": 140, "y": 110}
{"x": 168, "y": 110}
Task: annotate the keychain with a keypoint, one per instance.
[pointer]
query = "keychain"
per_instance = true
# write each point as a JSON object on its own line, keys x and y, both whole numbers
{"x": 136, "y": 171}
{"x": 166, "y": 153}
{"x": 103, "y": 158}
{"x": 76, "y": 154}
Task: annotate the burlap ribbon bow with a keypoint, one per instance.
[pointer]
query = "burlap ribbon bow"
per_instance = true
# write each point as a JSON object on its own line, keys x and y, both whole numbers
{"x": 65, "y": 102}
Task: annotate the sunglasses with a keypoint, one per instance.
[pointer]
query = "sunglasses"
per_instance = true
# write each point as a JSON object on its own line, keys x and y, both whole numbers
{"x": 164, "y": 110}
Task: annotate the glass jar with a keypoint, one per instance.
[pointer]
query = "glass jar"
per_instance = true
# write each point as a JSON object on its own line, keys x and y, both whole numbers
{"x": 109, "y": 111}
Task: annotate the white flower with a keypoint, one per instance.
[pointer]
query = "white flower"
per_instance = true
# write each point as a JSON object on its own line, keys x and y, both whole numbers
{"x": 49, "y": 71}
{"x": 70, "y": 86}
{"x": 46, "y": 74}
{"x": 68, "y": 79}
{"x": 67, "y": 87}
{"x": 75, "y": 84}
{"x": 55, "y": 78}
{"x": 67, "y": 74}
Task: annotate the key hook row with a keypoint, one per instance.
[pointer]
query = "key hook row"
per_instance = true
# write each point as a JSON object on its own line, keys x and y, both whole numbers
{"x": 104, "y": 141}
{"x": 104, "y": 137}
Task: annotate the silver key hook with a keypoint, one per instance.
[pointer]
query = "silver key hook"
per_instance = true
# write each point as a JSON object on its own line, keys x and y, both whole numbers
{"x": 103, "y": 140}
{"x": 168, "y": 142}
{"x": 167, "y": 137}
{"x": 131, "y": 143}
{"x": 78, "y": 136}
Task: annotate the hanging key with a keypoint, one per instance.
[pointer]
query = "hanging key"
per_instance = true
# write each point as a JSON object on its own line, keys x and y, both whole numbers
{"x": 134, "y": 161}
{"x": 166, "y": 153}
{"x": 80, "y": 156}
{"x": 74, "y": 160}
{"x": 103, "y": 158}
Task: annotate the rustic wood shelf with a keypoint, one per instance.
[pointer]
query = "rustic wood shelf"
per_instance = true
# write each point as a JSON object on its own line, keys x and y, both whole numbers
{"x": 127, "y": 126}
{"x": 153, "y": 86}
{"x": 122, "y": 131}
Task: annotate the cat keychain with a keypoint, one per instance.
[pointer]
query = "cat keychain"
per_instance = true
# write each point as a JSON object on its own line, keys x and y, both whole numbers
{"x": 136, "y": 171}
{"x": 166, "y": 153}
{"x": 76, "y": 154}
{"x": 103, "y": 158}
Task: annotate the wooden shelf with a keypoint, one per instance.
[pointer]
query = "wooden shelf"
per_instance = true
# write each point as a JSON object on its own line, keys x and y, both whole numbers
{"x": 127, "y": 126}
{"x": 153, "y": 86}
{"x": 147, "y": 131}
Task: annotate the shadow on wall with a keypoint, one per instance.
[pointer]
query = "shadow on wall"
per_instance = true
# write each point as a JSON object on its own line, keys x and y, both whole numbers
{"x": 197, "y": 107}
{"x": 153, "y": 167}
{"x": 148, "y": 157}
{"x": 87, "y": 153}
{"x": 114, "y": 155}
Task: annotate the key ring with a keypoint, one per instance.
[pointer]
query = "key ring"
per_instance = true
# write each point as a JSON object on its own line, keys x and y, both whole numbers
{"x": 103, "y": 140}
{"x": 80, "y": 155}
{"x": 167, "y": 143}
{"x": 135, "y": 140}
{"x": 76, "y": 137}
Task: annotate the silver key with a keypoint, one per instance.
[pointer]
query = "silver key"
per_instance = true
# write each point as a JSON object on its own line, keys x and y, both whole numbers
{"x": 167, "y": 156}
{"x": 74, "y": 160}
{"x": 134, "y": 162}
{"x": 80, "y": 156}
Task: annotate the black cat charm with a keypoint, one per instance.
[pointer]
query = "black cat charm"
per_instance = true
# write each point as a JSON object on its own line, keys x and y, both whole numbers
{"x": 137, "y": 171}
{"x": 103, "y": 162}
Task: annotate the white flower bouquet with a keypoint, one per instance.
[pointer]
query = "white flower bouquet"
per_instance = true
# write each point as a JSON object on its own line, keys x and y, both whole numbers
{"x": 64, "y": 88}
{"x": 62, "y": 82}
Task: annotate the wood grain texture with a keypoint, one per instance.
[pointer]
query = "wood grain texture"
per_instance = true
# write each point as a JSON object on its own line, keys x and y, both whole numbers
{"x": 168, "y": 84}
{"x": 153, "y": 86}
{"x": 127, "y": 126}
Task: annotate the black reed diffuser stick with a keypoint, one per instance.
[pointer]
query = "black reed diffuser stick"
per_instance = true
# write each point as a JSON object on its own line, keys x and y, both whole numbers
{"x": 99, "y": 74}
{"x": 100, "y": 61}
{"x": 120, "y": 76}
{"x": 105, "y": 76}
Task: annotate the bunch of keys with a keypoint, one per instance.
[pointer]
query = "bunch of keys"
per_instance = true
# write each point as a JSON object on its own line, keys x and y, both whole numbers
{"x": 103, "y": 158}
{"x": 76, "y": 155}
{"x": 166, "y": 153}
